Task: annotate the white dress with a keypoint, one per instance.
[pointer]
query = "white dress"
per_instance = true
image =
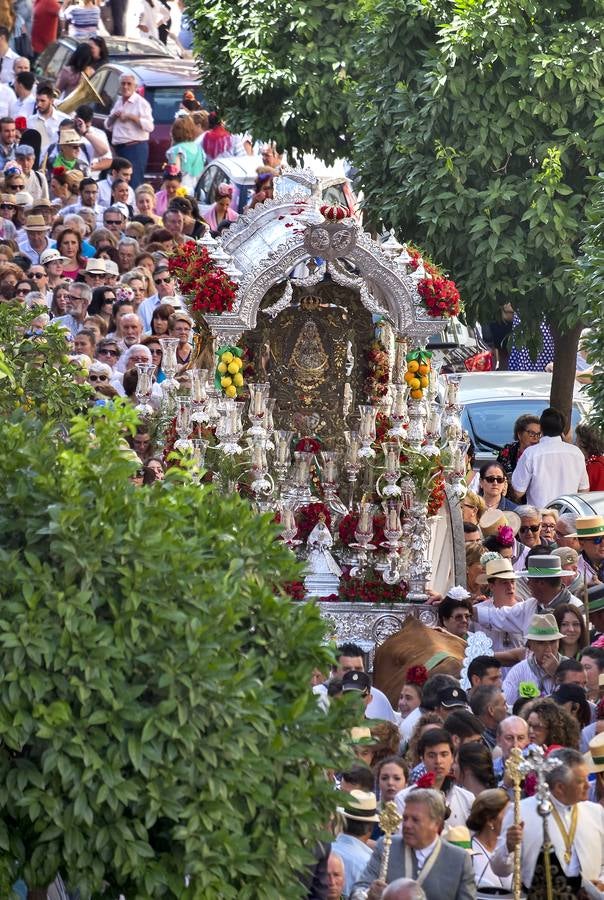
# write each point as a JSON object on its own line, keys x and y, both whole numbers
{"x": 483, "y": 873}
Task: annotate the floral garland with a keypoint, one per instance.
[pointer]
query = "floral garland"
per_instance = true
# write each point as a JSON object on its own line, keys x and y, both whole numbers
{"x": 370, "y": 590}
{"x": 295, "y": 589}
{"x": 437, "y": 494}
{"x": 308, "y": 516}
{"x": 378, "y": 372}
{"x": 308, "y": 445}
{"x": 207, "y": 287}
{"x": 440, "y": 295}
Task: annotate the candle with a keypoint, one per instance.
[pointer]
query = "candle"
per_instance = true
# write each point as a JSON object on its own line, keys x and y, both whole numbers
{"x": 352, "y": 449}
{"x": 330, "y": 471}
{"x": 287, "y": 518}
{"x": 399, "y": 401}
{"x": 364, "y": 518}
{"x": 393, "y": 523}
{"x": 257, "y": 456}
{"x": 258, "y": 404}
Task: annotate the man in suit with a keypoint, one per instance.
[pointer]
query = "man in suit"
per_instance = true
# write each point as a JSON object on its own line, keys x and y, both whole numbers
{"x": 442, "y": 870}
{"x": 576, "y": 827}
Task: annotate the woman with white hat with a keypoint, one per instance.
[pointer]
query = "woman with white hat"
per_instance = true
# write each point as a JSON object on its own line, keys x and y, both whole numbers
{"x": 595, "y": 760}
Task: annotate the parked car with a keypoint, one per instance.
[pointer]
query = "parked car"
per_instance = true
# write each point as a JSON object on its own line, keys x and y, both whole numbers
{"x": 493, "y": 401}
{"x": 162, "y": 81}
{"x": 240, "y": 171}
{"x": 589, "y": 504}
{"x": 56, "y": 56}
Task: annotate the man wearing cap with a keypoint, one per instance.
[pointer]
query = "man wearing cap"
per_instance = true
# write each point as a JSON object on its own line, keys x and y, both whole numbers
{"x": 35, "y": 182}
{"x": 80, "y": 296}
{"x": 350, "y": 659}
{"x": 590, "y": 534}
{"x": 25, "y": 98}
{"x": 443, "y": 870}
{"x": 569, "y": 561}
{"x": 34, "y": 240}
{"x": 552, "y": 467}
{"x": 539, "y": 668}
{"x": 45, "y": 118}
{"x": 576, "y": 827}
{"x": 359, "y": 816}
{"x": 131, "y": 124}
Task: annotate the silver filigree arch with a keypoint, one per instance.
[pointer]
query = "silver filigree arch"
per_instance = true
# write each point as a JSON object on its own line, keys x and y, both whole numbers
{"x": 278, "y": 237}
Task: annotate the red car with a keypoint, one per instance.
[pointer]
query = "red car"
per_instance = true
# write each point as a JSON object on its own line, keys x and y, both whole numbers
{"x": 162, "y": 82}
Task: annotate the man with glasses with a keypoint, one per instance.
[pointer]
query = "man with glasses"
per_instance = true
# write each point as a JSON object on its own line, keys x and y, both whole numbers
{"x": 131, "y": 124}
{"x": 34, "y": 240}
{"x": 94, "y": 273}
{"x": 164, "y": 285}
{"x": 79, "y": 297}
{"x": 8, "y": 141}
{"x": 552, "y": 467}
{"x": 108, "y": 352}
{"x": 114, "y": 221}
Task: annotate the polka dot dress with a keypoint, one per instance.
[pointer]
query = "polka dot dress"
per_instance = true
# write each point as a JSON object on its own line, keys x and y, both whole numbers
{"x": 520, "y": 359}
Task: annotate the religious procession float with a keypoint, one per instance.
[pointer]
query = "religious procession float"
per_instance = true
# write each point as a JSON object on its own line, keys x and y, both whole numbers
{"x": 313, "y": 394}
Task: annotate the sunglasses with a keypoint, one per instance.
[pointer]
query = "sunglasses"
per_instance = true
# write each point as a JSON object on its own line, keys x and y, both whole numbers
{"x": 22, "y": 291}
{"x": 98, "y": 378}
{"x": 38, "y": 274}
{"x": 106, "y": 352}
{"x": 495, "y": 479}
{"x": 113, "y": 221}
{"x": 8, "y": 205}
{"x": 533, "y": 528}
{"x": 162, "y": 280}
{"x": 14, "y": 188}
{"x": 157, "y": 352}
{"x": 597, "y": 540}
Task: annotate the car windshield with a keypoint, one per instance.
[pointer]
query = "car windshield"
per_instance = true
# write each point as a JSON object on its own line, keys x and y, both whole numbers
{"x": 165, "y": 101}
{"x": 491, "y": 424}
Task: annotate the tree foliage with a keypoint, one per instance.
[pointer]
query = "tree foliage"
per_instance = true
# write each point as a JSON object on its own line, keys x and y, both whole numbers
{"x": 479, "y": 135}
{"x": 155, "y": 712}
{"x": 591, "y": 268}
{"x": 281, "y": 68}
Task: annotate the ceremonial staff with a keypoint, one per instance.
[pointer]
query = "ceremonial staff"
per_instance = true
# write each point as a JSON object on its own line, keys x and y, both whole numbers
{"x": 516, "y": 768}
{"x": 390, "y": 819}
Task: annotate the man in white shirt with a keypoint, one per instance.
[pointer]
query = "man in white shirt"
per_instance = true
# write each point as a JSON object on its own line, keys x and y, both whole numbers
{"x": 580, "y": 855}
{"x": 35, "y": 183}
{"x": 131, "y": 124}
{"x": 7, "y": 97}
{"x": 7, "y": 57}
{"x": 25, "y": 98}
{"x": 120, "y": 168}
{"x": 552, "y": 467}
{"x": 33, "y": 239}
{"x": 359, "y": 815}
{"x": 164, "y": 285}
{"x": 89, "y": 193}
{"x": 45, "y": 118}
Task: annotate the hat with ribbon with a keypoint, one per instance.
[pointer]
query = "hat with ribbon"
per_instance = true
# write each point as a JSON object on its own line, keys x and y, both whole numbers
{"x": 36, "y": 223}
{"x": 588, "y": 527}
{"x": 498, "y": 568}
{"x": 459, "y": 836}
{"x": 595, "y": 598}
{"x": 543, "y": 566}
{"x": 360, "y": 806}
{"x": 543, "y": 628}
{"x": 51, "y": 255}
{"x": 595, "y": 755}
{"x": 69, "y": 137}
{"x": 492, "y": 520}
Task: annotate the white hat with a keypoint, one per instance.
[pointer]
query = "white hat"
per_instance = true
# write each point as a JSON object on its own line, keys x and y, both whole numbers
{"x": 111, "y": 268}
{"x": 23, "y": 198}
{"x": 122, "y": 208}
{"x": 95, "y": 267}
{"x": 51, "y": 255}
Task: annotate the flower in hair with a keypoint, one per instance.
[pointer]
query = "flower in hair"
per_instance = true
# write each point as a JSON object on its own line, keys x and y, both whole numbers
{"x": 489, "y": 556}
{"x": 58, "y": 171}
{"x": 505, "y": 536}
{"x": 458, "y": 593}
{"x": 20, "y": 123}
{"x": 417, "y": 675}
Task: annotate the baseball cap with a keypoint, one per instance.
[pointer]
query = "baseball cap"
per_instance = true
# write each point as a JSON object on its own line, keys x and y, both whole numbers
{"x": 566, "y": 555}
{"x": 356, "y": 681}
{"x": 452, "y": 696}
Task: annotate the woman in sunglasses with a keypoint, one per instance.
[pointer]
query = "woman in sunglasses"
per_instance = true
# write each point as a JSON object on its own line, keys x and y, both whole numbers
{"x": 8, "y": 208}
{"x": 22, "y": 289}
{"x": 493, "y": 487}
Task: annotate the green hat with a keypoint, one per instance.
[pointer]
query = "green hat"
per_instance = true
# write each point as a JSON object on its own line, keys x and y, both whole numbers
{"x": 543, "y": 566}
{"x": 589, "y": 526}
{"x": 595, "y": 598}
{"x": 543, "y": 628}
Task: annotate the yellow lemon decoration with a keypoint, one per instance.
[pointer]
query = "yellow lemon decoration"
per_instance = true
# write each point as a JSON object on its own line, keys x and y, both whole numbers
{"x": 233, "y": 368}
{"x": 229, "y": 371}
{"x": 226, "y": 381}
{"x": 227, "y": 357}
{"x": 231, "y": 391}
{"x": 222, "y": 368}
{"x": 238, "y": 379}
{"x": 413, "y": 366}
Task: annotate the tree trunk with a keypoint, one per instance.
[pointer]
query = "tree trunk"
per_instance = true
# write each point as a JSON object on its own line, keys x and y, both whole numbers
{"x": 566, "y": 344}
{"x": 37, "y": 893}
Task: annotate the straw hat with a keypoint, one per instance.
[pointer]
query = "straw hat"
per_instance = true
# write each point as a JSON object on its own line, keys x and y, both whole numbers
{"x": 95, "y": 267}
{"x": 595, "y": 756}
{"x": 543, "y": 628}
{"x": 459, "y": 836}
{"x": 36, "y": 223}
{"x": 494, "y": 519}
{"x": 498, "y": 568}
{"x": 543, "y": 566}
{"x": 589, "y": 526}
{"x": 360, "y": 806}
{"x": 69, "y": 136}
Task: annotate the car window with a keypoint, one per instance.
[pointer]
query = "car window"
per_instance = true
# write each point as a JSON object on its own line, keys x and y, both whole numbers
{"x": 51, "y": 66}
{"x": 107, "y": 86}
{"x": 491, "y": 424}
{"x": 165, "y": 101}
{"x": 204, "y": 184}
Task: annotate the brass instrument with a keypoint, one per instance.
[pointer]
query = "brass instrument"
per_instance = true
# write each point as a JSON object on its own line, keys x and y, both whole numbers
{"x": 84, "y": 92}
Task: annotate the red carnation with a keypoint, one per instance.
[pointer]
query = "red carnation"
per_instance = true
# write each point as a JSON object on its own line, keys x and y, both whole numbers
{"x": 417, "y": 675}
{"x": 426, "y": 781}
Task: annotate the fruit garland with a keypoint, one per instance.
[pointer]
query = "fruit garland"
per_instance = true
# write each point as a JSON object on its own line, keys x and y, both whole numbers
{"x": 417, "y": 375}
{"x": 437, "y": 494}
{"x": 229, "y": 374}
{"x": 378, "y": 372}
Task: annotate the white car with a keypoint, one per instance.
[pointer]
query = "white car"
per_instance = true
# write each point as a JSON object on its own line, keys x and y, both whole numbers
{"x": 493, "y": 401}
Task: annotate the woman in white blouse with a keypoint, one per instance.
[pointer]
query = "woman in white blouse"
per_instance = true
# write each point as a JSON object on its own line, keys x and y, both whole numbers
{"x": 485, "y": 821}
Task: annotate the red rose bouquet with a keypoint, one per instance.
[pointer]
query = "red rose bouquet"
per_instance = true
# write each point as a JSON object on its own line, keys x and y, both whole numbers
{"x": 440, "y": 296}
{"x": 207, "y": 287}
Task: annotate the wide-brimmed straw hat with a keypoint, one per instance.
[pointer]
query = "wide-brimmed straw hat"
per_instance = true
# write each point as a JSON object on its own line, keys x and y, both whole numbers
{"x": 498, "y": 568}
{"x": 360, "y": 806}
{"x": 459, "y": 836}
{"x": 493, "y": 519}
{"x": 36, "y": 223}
{"x": 543, "y": 628}
{"x": 588, "y": 526}
{"x": 595, "y": 755}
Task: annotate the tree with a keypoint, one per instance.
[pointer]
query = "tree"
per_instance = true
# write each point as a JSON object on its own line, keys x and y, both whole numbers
{"x": 478, "y": 137}
{"x": 591, "y": 268}
{"x": 280, "y": 69}
{"x": 155, "y": 712}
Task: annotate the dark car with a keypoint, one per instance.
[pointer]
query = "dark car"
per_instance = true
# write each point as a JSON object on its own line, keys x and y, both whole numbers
{"x": 56, "y": 56}
{"x": 162, "y": 82}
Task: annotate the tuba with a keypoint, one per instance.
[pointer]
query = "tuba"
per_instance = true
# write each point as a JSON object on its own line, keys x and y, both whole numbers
{"x": 84, "y": 92}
